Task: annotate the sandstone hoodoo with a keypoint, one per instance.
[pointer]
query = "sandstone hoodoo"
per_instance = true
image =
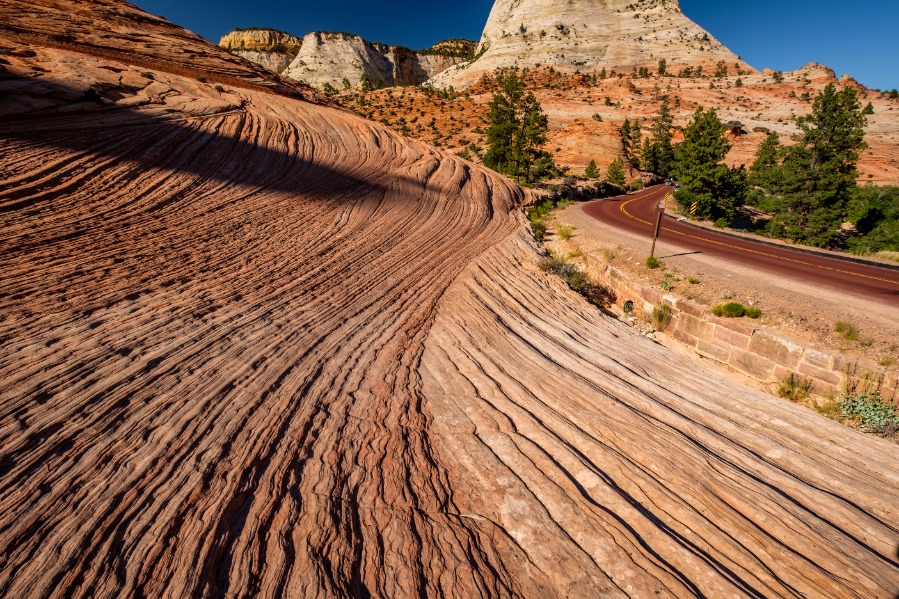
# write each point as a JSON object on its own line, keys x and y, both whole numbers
{"x": 253, "y": 345}
{"x": 589, "y": 35}
{"x": 333, "y": 60}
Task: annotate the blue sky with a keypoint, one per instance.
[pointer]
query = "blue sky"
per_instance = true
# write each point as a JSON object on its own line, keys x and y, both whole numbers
{"x": 858, "y": 39}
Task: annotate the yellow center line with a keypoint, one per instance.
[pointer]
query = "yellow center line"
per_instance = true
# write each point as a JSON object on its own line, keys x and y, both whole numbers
{"x": 749, "y": 251}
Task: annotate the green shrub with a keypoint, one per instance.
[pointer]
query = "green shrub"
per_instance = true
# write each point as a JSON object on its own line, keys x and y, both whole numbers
{"x": 753, "y": 313}
{"x": 722, "y": 223}
{"x": 729, "y": 310}
{"x": 578, "y": 281}
{"x": 873, "y": 414}
{"x": 148, "y": 75}
{"x": 847, "y": 330}
{"x": 693, "y": 281}
{"x": 661, "y": 317}
{"x": 219, "y": 89}
{"x": 539, "y": 228}
{"x": 795, "y": 388}
{"x": 653, "y": 263}
{"x": 565, "y": 231}
{"x": 666, "y": 285}
{"x": 202, "y": 78}
{"x": 636, "y": 185}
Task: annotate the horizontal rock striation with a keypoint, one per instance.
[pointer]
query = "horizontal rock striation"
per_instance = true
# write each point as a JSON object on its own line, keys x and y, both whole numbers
{"x": 254, "y": 346}
{"x": 272, "y": 50}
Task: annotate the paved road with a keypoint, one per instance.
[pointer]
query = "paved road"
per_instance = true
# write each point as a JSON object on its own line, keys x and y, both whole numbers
{"x": 636, "y": 213}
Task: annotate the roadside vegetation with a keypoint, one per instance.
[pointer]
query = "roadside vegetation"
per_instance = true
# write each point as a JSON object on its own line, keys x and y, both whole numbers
{"x": 809, "y": 188}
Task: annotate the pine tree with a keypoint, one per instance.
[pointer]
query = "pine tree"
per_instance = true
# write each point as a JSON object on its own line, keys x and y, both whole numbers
{"x": 717, "y": 189}
{"x": 615, "y": 174}
{"x": 818, "y": 174}
{"x": 658, "y": 155}
{"x": 592, "y": 172}
{"x": 765, "y": 171}
{"x": 636, "y": 155}
{"x": 517, "y": 129}
{"x": 625, "y": 132}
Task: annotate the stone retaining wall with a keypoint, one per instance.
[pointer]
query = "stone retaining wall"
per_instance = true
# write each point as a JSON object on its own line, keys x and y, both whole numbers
{"x": 739, "y": 344}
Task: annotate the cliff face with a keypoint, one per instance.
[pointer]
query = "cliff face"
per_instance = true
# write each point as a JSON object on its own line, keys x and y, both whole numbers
{"x": 331, "y": 58}
{"x": 270, "y": 49}
{"x": 589, "y": 35}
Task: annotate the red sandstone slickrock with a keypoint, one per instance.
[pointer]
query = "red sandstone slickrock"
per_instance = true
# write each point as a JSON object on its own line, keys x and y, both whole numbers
{"x": 252, "y": 345}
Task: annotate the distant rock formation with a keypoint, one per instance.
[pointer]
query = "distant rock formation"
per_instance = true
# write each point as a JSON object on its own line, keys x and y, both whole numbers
{"x": 271, "y": 49}
{"x": 588, "y": 35}
{"x": 337, "y": 59}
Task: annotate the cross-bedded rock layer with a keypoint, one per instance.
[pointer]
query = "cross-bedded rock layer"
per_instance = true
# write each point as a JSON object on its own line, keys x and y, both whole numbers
{"x": 255, "y": 346}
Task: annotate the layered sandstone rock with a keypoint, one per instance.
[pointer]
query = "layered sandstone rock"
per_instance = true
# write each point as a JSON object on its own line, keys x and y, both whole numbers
{"x": 589, "y": 35}
{"x": 273, "y": 50}
{"x": 253, "y": 346}
{"x": 335, "y": 59}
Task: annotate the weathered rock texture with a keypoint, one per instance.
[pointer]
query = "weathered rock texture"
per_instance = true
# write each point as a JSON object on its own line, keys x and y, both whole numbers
{"x": 255, "y": 346}
{"x": 589, "y": 35}
{"x": 335, "y": 58}
{"x": 272, "y": 50}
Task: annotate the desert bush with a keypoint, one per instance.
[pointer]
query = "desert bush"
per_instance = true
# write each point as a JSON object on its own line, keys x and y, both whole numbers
{"x": 653, "y": 263}
{"x": 202, "y": 78}
{"x": 565, "y": 231}
{"x": 578, "y": 281}
{"x": 795, "y": 388}
{"x": 729, "y": 310}
{"x": 539, "y": 228}
{"x": 661, "y": 317}
{"x": 847, "y": 330}
{"x": 871, "y": 412}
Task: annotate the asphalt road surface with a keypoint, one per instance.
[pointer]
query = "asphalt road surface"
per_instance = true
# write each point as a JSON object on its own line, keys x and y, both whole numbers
{"x": 636, "y": 213}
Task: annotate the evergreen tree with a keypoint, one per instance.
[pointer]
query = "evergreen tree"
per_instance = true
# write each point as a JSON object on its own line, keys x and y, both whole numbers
{"x": 615, "y": 174}
{"x": 764, "y": 172}
{"x": 636, "y": 154}
{"x": 818, "y": 175}
{"x": 517, "y": 129}
{"x": 658, "y": 155}
{"x": 717, "y": 189}
{"x": 592, "y": 172}
{"x": 663, "y": 67}
{"x": 625, "y": 132}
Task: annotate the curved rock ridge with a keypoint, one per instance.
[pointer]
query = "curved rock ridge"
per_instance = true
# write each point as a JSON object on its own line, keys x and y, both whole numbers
{"x": 589, "y": 35}
{"x": 250, "y": 345}
{"x": 116, "y": 30}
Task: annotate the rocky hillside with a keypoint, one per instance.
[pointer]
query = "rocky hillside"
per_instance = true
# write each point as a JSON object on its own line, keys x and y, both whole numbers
{"x": 586, "y": 35}
{"x": 585, "y": 113}
{"x": 251, "y": 345}
{"x": 338, "y": 59}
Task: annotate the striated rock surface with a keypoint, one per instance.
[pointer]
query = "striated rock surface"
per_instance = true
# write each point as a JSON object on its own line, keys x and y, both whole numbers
{"x": 589, "y": 35}
{"x": 250, "y": 345}
{"x": 322, "y": 58}
{"x": 272, "y": 50}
